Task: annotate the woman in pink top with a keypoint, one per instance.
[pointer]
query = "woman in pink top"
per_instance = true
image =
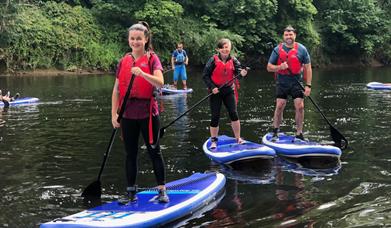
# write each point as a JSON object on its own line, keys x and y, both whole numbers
{"x": 141, "y": 114}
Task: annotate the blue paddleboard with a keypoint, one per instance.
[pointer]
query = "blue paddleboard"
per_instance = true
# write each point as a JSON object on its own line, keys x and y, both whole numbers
{"x": 379, "y": 86}
{"x": 229, "y": 151}
{"x": 289, "y": 146}
{"x": 175, "y": 91}
{"x": 21, "y": 101}
{"x": 187, "y": 196}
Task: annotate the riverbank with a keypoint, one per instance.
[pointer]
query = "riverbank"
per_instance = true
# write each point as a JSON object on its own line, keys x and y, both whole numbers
{"x": 337, "y": 63}
{"x": 56, "y": 72}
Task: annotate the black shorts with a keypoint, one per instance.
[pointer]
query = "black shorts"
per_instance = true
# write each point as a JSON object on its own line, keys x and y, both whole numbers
{"x": 288, "y": 86}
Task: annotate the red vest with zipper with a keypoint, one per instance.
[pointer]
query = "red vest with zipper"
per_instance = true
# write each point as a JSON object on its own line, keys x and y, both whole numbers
{"x": 141, "y": 88}
{"x": 291, "y": 58}
{"x": 223, "y": 72}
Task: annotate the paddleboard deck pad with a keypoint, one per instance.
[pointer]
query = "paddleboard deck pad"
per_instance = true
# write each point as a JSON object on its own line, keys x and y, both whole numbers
{"x": 379, "y": 86}
{"x": 187, "y": 196}
{"x": 289, "y": 146}
{"x": 229, "y": 151}
{"x": 21, "y": 101}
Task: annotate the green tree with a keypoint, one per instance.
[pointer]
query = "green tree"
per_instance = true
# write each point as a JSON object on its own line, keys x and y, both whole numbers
{"x": 353, "y": 27}
{"x": 300, "y": 14}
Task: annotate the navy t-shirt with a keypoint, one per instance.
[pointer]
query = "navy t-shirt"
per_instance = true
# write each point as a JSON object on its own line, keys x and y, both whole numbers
{"x": 302, "y": 54}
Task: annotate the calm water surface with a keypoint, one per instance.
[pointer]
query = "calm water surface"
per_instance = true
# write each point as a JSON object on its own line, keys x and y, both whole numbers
{"x": 49, "y": 152}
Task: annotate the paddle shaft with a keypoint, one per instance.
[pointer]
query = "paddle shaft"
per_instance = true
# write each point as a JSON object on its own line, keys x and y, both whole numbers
{"x": 199, "y": 102}
{"x": 121, "y": 112}
{"x": 168, "y": 70}
{"x": 313, "y": 102}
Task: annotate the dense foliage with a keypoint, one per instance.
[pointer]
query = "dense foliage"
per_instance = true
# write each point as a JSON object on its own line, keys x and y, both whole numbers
{"x": 92, "y": 34}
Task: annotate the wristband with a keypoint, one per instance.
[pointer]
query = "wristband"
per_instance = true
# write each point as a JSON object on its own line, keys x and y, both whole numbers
{"x": 309, "y": 86}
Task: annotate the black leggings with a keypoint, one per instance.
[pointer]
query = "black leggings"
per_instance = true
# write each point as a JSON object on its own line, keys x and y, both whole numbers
{"x": 130, "y": 131}
{"x": 229, "y": 101}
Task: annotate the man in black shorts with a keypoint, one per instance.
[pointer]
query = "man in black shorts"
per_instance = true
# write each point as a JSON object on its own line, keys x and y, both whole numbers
{"x": 289, "y": 60}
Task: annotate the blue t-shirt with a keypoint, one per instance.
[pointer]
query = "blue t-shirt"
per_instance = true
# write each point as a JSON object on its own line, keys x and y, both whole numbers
{"x": 179, "y": 56}
{"x": 302, "y": 54}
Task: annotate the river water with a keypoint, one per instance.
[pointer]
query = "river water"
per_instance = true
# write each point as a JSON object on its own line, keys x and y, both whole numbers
{"x": 49, "y": 152}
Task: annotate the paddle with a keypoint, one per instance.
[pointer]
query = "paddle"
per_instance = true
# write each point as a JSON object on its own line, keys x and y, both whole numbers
{"x": 94, "y": 189}
{"x": 339, "y": 140}
{"x": 168, "y": 70}
{"x": 162, "y": 130}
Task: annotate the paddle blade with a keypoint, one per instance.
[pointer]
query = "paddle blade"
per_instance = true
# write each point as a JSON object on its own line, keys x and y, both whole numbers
{"x": 339, "y": 140}
{"x": 93, "y": 190}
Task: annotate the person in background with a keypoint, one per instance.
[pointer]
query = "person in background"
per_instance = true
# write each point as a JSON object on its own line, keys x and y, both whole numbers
{"x": 141, "y": 114}
{"x": 220, "y": 69}
{"x": 6, "y": 99}
{"x": 179, "y": 60}
{"x": 289, "y": 60}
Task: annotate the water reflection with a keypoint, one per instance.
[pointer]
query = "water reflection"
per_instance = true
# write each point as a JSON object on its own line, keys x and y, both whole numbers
{"x": 49, "y": 152}
{"x": 255, "y": 171}
{"x": 293, "y": 200}
{"x": 310, "y": 166}
{"x": 175, "y": 105}
{"x": 228, "y": 213}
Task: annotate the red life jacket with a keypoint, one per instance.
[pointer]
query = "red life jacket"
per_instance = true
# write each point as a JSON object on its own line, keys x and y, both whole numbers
{"x": 291, "y": 58}
{"x": 223, "y": 72}
{"x": 141, "y": 88}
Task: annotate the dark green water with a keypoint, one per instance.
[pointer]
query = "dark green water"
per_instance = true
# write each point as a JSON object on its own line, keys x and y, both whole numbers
{"x": 51, "y": 151}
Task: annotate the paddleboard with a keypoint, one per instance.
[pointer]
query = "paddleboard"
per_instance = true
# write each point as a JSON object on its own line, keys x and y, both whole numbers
{"x": 229, "y": 151}
{"x": 379, "y": 86}
{"x": 21, "y": 101}
{"x": 289, "y": 146}
{"x": 166, "y": 91}
{"x": 187, "y": 196}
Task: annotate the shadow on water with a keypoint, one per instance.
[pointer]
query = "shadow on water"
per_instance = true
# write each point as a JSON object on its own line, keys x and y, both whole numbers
{"x": 254, "y": 171}
{"x": 311, "y": 166}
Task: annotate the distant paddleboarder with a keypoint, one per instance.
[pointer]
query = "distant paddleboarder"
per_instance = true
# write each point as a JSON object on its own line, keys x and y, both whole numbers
{"x": 6, "y": 99}
{"x": 179, "y": 60}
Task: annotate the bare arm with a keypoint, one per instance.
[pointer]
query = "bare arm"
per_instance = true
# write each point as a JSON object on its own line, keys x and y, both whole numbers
{"x": 172, "y": 62}
{"x": 114, "y": 105}
{"x": 156, "y": 79}
{"x": 274, "y": 68}
{"x": 308, "y": 75}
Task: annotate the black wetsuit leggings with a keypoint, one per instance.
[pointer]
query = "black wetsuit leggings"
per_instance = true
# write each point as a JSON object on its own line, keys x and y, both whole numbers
{"x": 229, "y": 101}
{"x": 130, "y": 131}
